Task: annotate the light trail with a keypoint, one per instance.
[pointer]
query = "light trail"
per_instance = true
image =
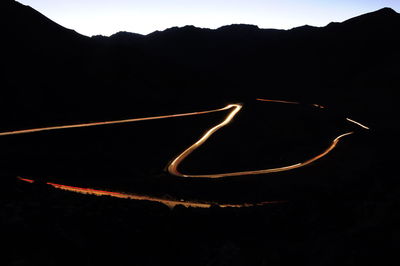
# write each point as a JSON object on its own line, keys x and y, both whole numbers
{"x": 34, "y": 130}
{"x": 173, "y": 166}
{"x": 168, "y": 202}
{"x": 357, "y": 123}
{"x": 318, "y": 106}
{"x": 276, "y": 101}
{"x": 26, "y": 180}
{"x": 172, "y": 169}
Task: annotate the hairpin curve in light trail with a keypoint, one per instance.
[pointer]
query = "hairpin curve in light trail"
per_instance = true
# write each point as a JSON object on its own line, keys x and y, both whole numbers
{"x": 173, "y": 166}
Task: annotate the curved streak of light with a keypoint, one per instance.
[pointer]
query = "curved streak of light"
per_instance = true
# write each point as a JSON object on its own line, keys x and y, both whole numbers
{"x": 172, "y": 169}
{"x": 357, "y": 123}
{"x": 168, "y": 202}
{"x": 173, "y": 166}
{"x": 33, "y": 130}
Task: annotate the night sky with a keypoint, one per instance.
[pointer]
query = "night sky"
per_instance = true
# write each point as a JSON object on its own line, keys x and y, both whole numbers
{"x": 105, "y": 17}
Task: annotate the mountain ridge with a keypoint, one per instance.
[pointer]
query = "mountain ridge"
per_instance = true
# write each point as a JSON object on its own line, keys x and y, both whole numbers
{"x": 51, "y": 68}
{"x": 383, "y": 12}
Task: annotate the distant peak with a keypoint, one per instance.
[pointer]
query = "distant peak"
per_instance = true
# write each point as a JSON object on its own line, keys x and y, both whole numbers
{"x": 183, "y": 28}
{"x": 386, "y": 10}
{"x": 125, "y": 34}
{"x": 189, "y": 27}
{"x": 382, "y": 15}
{"x": 240, "y": 27}
{"x": 304, "y": 27}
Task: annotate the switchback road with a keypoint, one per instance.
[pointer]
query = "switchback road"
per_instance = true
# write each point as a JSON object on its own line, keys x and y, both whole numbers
{"x": 173, "y": 166}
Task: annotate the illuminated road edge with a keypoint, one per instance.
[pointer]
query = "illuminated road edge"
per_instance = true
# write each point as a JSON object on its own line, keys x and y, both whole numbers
{"x": 174, "y": 164}
{"x": 173, "y": 168}
{"x": 35, "y": 130}
{"x": 169, "y": 202}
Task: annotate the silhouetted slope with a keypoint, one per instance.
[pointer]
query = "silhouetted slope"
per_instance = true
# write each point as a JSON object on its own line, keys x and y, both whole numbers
{"x": 380, "y": 19}
{"x": 41, "y": 60}
{"x": 29, "y": 36}
{"x": 54, "y": 74}
{"x": 21, "y": 20}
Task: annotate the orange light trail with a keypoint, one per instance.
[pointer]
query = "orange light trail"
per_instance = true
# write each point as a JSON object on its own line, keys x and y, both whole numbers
{"x": 357, "y": 123}
{"x": 34, "y": 130}
{"x": 168, "y": 202}
{"x": 172, "y": 169}
{"x": 173, "y": 166}
{"x": 276, "y": 101}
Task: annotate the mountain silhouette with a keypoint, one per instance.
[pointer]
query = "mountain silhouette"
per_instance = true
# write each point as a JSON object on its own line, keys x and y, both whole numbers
{"x": 380, "y": 18}
{"x": 54, "y": 74}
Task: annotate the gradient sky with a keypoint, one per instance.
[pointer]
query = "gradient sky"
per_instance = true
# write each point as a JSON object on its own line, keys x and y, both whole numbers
{"x": 105, "y": 17}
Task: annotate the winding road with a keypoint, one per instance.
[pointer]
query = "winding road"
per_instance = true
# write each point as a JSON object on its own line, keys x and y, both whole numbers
{"x": 173, "y": 166}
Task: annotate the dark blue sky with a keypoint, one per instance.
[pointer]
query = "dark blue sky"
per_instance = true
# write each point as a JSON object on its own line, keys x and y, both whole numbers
{"x": 92, "y": 17}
